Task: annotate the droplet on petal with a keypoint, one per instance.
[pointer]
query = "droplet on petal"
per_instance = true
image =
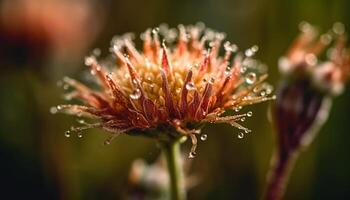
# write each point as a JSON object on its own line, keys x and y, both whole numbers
{"x": 191, "y": 155}
{"x": 250, "y": 78}
{"x": 204, "y": 137}
{"x": 250, "y": 113}
{"x": 53, "y": 110}
{"x": 240, "y": 135}
{"x": 136, "y": 94}
{"x": 190, "y": 86}
{"x": 67, "y": 134}
{"x": 89, "y": 60}
{"x": 311, "y": 59}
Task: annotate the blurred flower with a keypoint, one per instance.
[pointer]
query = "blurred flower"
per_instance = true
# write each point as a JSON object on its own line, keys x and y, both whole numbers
{"x": 34, "y": 29}
{"x": 151, "y": 181}
{"x": 169, "y": 93}
{"x": 304, "y": 95}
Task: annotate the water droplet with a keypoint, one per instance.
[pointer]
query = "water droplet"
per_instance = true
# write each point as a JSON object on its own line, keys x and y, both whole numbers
{"x": 240, "y": 135}
{"x": 155, "y": 30}
{"x": 338, "y": 28}
{"x": 80, "y": 135}
{"x": 96, "y": 52}
{"x": 65, "y": 86}
{"x": 81, "y": 121}
{"x": 197, "y": 131}
{"x": 107, "y": 142}
{"x": 89, "y": 60}
{"x": 243, "y": 70}
{"x": 238, "y": 108}
{"x": 211, "y": 80}
{"x": 262, "y": 93}
{"x": 242, "y": 119}
{"x": 250, "y": 78}
{"x": 249, "y": 53}
{"x": 192, "y": 154}
{"x": 59, "y": 107}
{"x": 53, "y": 110}
{"x": 305, "y": 27}
{"x": 190, "y": 86}
{"x": 326, "y": 39}
{"x": 136, "y": 94}
{"x": 250, "y": 113}
{"x": 230, "y": 47}
{"x": 67, "y": 134}
{"x": 311, "y": 59}
{"x": 255, "y": 48}
{"x": 204, "y": 137}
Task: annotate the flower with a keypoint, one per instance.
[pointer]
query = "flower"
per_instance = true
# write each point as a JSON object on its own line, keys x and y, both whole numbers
{"x": 304, "y": 96}
{"x": 169, "y": 92}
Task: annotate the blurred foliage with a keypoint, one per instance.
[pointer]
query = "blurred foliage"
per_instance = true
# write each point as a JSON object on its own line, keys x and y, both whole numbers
{"x": 37, "y": 161}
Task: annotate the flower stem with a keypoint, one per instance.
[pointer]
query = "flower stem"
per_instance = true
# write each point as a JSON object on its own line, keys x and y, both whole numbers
{"x": 278, "y": 176}
{"x": 173, "y": 157}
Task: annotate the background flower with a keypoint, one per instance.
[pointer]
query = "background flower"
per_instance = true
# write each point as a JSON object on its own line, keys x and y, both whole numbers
{"x": 39, "y": 161}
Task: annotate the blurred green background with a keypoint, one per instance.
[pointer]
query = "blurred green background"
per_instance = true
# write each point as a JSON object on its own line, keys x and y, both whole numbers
{"x": 43, "y": 40}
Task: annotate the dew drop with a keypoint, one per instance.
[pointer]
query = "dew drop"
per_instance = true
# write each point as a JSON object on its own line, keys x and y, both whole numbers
{"x": 192, "y": 154}
{"x": 81, "y": 121}
{"x": 107, "y": 142}
{"x": 250, "y": 113}
{"x": 204, "y": 137}
{"x": 211, "y": 80}
{"x": 59, "y": 107}
{"x": 255, "y": 48}
{"x": 240, "y": 135}
{"x": 53, "y": 110}
{"x": 262, "y": 93}
{"x": 204, "y": 81}
{"x": 238, "y": 108}
{"x": 311, "y": 59}
{"x": 197, "y": 131}
{"x": 65, "y": 86}
{"x": 89, "y": 60}
{"x": 96, "y": 52}
{"x": 155, "y": 30}
{"x": 136, "y": 94}
{"x": 230, "y": 47}
{"x": 80, "y": 135}
{"x": 243, "y": 70}
{"x": 242, "y": 119}
{"x": 227, "y": 71}
{"x": 250, "y": 78}
{"x": 190, "y": 86}
{"x": 249, "y": 53}
{"x": 338, "y": 28}
{"x": 67, "y": 134}
{"x": 326, "y": 38}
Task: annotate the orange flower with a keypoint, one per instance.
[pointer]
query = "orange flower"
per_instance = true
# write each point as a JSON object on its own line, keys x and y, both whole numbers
{"x": 303, "y": 97}
{"x": 170, "y": 92}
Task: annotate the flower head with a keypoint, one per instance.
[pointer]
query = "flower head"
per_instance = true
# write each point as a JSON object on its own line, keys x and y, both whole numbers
{"x": 173, "y": 88}
{"x": 304, "y": 95}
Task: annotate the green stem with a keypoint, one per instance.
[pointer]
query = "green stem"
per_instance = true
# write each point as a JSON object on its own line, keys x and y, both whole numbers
{"x": 173, "y": 157}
